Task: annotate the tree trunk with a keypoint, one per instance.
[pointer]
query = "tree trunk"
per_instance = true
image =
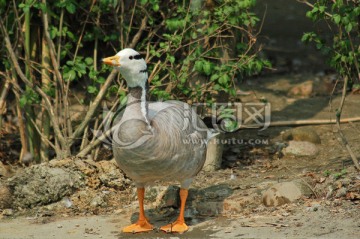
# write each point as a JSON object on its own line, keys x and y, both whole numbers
{"x": 45, "y": 80}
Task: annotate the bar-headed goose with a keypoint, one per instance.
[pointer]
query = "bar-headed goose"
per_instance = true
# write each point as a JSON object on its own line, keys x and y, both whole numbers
{"x": 156, "y": 141}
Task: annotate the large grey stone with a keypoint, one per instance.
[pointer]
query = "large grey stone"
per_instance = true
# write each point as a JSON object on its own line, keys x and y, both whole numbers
{"x": 214, "y": 153}
{"x": 41, "y": 184}
{"x": 301, "y": 148}
{"x": 285, "y": 192}
{"x": 205, "y": 202}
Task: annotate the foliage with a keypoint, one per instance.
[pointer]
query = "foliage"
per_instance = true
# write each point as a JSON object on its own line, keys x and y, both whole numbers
{"x": 340, "y": 174}
{"x": 337, "y": 175}
{"x": 203, "y": 48}
{"x": 343, "y": 48}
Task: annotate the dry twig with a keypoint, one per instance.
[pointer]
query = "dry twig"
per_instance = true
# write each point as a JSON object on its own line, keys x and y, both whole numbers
{"x": 338, "y": 117}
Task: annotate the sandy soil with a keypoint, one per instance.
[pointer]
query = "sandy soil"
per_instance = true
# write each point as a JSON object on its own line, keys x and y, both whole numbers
{"x": 319, "y": 224}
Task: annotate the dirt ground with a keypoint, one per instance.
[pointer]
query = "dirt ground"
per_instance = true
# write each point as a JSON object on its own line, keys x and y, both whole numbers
{"x": 299, "y": 89}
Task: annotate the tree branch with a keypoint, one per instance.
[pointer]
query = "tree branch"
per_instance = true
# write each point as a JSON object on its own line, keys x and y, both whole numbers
{"x": 137, "y": 36}
{"x": 92, "y": 109}
{"x": 52, "y": 49}
{"x": 338, "y": 117}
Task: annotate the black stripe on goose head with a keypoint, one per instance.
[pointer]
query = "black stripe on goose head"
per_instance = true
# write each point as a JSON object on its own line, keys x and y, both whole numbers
{"x": 136, "y": 57}
{"x": 143, "y": 71}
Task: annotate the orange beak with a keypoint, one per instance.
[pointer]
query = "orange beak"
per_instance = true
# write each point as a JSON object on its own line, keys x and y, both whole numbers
{"x": 112, "y": 61}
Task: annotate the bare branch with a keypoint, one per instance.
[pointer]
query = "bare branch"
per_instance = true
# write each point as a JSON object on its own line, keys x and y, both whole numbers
{"x": 312, "y": 6}
{"x": 92, "y": 109}
{"x": 52, "y": 49}
{"x": 139, "y": 32}
{"x": 338, "y": 117}
{"x": 302, "y": 122}
{"x": 44, "y": 137}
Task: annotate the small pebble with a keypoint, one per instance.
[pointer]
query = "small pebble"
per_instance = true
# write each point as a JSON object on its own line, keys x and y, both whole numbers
{"x": 59, "y": 226}
{"x": 7, "y": 212}
{"x": 341, "y": 192}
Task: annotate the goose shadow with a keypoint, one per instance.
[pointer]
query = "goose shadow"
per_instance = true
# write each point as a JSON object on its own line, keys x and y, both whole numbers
{"x": 202, "y": 204}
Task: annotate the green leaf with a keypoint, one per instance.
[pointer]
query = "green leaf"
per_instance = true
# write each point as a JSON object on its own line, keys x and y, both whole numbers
{"x": 336, "y": 18}
{"x": 100, "y": 80}
{"x": 214, "y": 77}
{"x": 199, "y": 66}
{"x": 92, "y": 89}
{"x": 23, "y": 100}
{"x": 194, "y": 35}
{"x": 349, "y": 27}
{"x": 232, "y": 91}
{"x": 70, "y": 75}
{"x": 70, "y": 63}
{"x": 217, "y": 87}
{"x": 207, "y": 68}
{"x": 182, "y": 80}
{"x": 171, "y": 59}
{"x": 71, "y": 8}
{"x": 89, "y": 61}
{"x": 224, "y": 79}
{"x": 70, "y": 35}
{"x": 53, "y": 32}
{"x": 156, "y": 7}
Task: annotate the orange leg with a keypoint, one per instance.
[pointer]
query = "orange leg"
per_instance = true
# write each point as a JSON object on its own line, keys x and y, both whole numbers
{"x": 142, "y": 225}
{"x": 179, "y": 225}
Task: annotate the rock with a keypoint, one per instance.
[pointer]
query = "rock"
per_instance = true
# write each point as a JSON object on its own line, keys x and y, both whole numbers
{"x": 313, "y": 208}
{"x": 317, "y": 86}
{"x": 27, "y": 159}
{"x": 98, "y": 201}
{"x": 41, "y": 185}
{"x": 304, "y": 89}
{"x": 341, "y": 192}
{"x": 235, "y": 204}
{"x": 5, "y": 196}
{"x": 209, "y": 201}
{"x": 170, "y": 197}
{"x": 209, "y": 208}
{"x": 67, "y": 202}
{"x": 8, "y": 212}
{"x": 301, "y": 148}
{"x": 302, "y": 134}
{"x": 283, "y": 193}
{"x": 111, "y": 176}
{"x": 204, "y": 202}
{"x": 214, "y": 153}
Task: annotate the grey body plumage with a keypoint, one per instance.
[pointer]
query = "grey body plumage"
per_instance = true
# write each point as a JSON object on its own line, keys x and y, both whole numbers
{"x": 171, "y": 147}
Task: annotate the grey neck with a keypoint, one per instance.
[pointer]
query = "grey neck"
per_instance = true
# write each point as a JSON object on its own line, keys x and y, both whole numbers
{"x": 137, "y": 96}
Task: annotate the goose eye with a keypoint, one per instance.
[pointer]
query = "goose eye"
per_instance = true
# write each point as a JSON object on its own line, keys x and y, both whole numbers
{"x": 131, "y": 57}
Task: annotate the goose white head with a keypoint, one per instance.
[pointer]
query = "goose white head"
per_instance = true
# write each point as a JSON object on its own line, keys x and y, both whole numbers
{"x": 131, "y": 66}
